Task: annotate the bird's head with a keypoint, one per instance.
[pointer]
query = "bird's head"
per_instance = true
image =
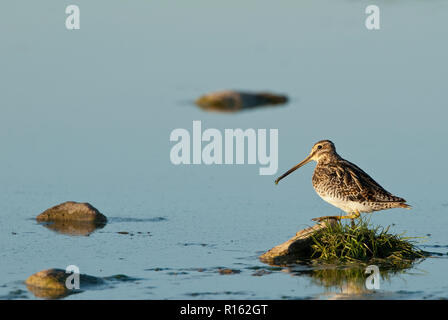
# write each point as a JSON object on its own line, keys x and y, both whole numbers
{"x": 321, "y": 150}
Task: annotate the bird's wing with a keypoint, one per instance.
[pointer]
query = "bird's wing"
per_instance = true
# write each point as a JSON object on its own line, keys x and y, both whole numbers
{"x": 359, "y": 186}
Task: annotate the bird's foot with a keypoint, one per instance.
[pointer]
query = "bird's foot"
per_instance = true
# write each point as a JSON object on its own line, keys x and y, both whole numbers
{"x": 352, "y": 216}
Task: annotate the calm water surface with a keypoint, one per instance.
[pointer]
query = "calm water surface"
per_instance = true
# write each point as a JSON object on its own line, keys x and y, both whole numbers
{"x": 86, "y": 116}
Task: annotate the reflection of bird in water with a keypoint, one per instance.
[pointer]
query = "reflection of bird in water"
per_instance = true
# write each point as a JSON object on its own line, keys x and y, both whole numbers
{"x": 337, "y": 283}
{"x": 349, "y": 290}
{"x": 344, "y": 185}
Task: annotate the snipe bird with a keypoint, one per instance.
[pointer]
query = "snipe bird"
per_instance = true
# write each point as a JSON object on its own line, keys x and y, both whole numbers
{"x": 344, "y": 185}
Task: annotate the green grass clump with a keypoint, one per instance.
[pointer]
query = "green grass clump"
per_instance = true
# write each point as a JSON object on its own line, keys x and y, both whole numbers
{"x": 344, "y": 243}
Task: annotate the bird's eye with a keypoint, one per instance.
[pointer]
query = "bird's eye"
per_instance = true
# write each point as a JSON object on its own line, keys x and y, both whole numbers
{"x": 319, "y": 147}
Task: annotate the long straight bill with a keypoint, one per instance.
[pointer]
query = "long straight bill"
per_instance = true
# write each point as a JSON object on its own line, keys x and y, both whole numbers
{"x": 307, "y": 159}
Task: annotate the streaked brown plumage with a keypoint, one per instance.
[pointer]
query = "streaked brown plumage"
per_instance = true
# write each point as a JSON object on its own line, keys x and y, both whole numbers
{"x": 345, "y": 185}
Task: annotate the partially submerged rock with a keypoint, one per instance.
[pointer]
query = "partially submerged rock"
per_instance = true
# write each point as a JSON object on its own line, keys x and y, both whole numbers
{"x": 51, "y": 283}
{"x": 72, "y": 211}
{"x": 230, "y": 100}
{"x": 227, "y": 271}
{"x": 296, "y": 248}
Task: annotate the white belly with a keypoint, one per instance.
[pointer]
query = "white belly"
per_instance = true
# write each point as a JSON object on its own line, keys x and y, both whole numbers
{"x": 347, "y": 206}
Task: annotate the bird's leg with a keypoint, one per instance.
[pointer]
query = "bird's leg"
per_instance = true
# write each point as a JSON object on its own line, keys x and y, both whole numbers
{"x": 352, "y": 216}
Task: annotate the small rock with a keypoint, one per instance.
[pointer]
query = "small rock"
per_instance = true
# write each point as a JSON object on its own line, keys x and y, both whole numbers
{"x": 228, "y": 271}
{"x": 72, "y": 211}
{"x": 51, "y": 283}
{"x": 230, "y": 100}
